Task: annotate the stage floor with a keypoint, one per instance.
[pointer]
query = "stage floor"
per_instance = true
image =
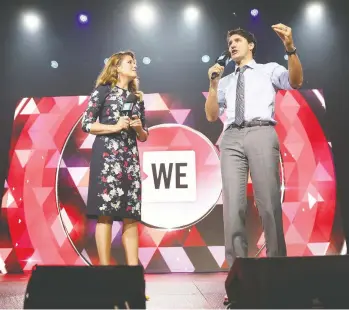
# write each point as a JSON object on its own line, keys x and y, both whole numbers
{"x": 166, "y": 291}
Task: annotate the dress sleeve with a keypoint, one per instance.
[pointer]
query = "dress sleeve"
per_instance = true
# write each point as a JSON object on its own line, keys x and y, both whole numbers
{"x": 94, "y": 106}
{"x": 142, "y": 112}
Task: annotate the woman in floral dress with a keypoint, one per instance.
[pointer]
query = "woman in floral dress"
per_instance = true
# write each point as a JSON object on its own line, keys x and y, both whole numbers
{"x": 114, "y": 192}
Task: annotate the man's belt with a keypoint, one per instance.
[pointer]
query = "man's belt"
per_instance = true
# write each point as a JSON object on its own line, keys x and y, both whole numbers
{"x": 253, "y": 123}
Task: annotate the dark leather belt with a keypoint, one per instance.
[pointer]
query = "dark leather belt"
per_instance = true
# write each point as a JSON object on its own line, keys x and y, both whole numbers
{"x": 251, "y": 124}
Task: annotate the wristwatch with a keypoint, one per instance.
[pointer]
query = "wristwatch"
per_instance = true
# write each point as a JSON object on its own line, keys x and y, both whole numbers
{"x": 292, "y": 52}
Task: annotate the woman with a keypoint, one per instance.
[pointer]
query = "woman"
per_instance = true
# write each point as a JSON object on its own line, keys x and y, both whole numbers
{"x": 115, "y": 178}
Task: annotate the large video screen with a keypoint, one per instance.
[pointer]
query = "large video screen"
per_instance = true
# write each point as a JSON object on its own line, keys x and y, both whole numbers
{"x": 43, "y": 207}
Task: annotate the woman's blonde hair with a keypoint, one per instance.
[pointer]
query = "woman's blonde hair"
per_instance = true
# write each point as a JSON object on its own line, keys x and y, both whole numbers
{"x": 109, "y": 74}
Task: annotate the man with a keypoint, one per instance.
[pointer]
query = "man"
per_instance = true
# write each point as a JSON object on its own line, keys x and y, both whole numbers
{"x": 249, "y": 141}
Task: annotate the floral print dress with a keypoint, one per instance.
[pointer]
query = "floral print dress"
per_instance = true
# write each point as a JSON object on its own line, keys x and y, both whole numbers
{"x": 115, "y": 176}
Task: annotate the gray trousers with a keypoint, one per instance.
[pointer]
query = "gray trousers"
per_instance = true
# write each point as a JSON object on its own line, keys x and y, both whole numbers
{"x": 255, "y": 149}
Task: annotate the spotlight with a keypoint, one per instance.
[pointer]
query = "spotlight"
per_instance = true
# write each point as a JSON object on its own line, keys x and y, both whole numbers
{"x": 191, "y": 14}
{"x": 314, "y": 10}
{"x": 106, "y": 60}
{"x": 83, "y": 18}
{"x": 205, "y": 58}
{"x": 31, "y": 21}
{"x": 146, "y": 60}
{"x": 254, "y": 12}
{"x": 144, "y": 15}
{"x": 54, "y": 64}
{"x": 286, "y": 57}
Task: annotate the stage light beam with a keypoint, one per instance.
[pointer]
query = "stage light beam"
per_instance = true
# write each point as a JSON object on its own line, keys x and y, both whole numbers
{"x": 54, "y": 64}
{"x": 83, "y": 18}
{"x": 144, "y": 15}
{"x": 146, "y": 60}
{"x": 254, "y": 12}
{"x": 314, "y": 10}
{"x": 205, "y": 58}
{"x": 191, "y": 14}
{"x": 31, "y": 21}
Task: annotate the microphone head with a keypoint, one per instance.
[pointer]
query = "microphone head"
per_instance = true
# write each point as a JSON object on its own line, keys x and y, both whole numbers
{"x": 224, "y": 58}
{"x": 128, "y": 105}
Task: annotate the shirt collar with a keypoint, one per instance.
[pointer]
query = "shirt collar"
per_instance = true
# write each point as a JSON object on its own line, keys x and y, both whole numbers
{"x": 251, "y": 64}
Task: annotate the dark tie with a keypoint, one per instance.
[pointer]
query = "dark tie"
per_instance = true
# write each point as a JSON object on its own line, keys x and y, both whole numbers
{"x": 240, "y": 97}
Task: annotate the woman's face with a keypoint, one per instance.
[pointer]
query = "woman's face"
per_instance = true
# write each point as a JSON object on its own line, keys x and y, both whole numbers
{"x": 128, "y": 67}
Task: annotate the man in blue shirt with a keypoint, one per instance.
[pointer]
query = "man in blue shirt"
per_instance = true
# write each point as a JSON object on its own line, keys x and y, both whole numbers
{"x": 249, "y": 141}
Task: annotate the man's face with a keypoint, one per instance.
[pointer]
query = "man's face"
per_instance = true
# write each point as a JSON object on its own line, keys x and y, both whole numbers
{"x": 239, "y": 48}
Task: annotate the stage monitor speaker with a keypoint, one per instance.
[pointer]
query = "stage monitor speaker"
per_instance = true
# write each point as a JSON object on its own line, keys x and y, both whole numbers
{"x": 88, "y": 287}
{"x": 289, "y": 282}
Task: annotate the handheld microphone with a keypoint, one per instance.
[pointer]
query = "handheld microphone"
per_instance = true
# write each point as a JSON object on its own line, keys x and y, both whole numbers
{"x": 222, "y": 60}
{"x": 127, "y": 108}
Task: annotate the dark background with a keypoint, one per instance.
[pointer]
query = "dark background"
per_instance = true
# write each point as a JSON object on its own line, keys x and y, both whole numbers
{"x": 175, "y": 51}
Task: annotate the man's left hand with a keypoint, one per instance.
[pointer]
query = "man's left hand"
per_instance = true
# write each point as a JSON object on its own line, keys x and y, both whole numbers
{"x": 285, "y": 34}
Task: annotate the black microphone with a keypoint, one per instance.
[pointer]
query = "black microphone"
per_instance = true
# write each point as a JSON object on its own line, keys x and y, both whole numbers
{"x": 127, "y": 108}
{"x": 222, "y": 60}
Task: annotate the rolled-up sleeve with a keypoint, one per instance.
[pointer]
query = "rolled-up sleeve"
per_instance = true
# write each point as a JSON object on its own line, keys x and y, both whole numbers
{"x": 280, "y": 77}
{"x": 221, "y": 96}
{"x": 94, "y": 106}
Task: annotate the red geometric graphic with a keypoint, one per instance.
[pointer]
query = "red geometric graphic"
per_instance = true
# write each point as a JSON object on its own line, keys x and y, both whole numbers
{"x": 46, "y": 188}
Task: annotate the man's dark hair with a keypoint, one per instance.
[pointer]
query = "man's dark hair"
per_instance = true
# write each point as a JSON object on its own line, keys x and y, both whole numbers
{"x": 245, "y": 34}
